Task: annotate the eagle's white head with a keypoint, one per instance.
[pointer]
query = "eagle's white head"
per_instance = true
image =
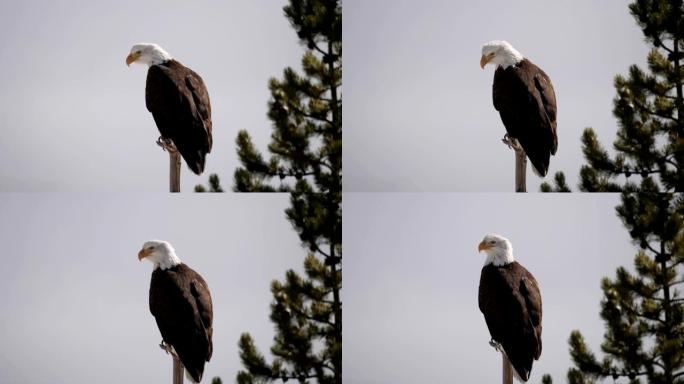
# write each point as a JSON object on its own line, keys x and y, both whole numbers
{"x": 498, "y": 249}
{"x": 147, "y": 53}
{"x": 501, "y": 53}
{"x": 160, "y": 253}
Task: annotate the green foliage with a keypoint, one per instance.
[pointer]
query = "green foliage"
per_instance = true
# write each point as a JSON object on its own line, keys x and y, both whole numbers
{"x": 306, "y": 345}
{"x": 306, "y": 111}
{"x": 216, "y": 380}
{"x": 649, "y": 107}
{"x": 214, "y": 185}
{"x": 643, "y": 311}
{"x": 546, "y": 379}
{"x": 306, "y": 161}
{"x": 560, "y": 184}
{"x": 253, "y": 176}
{"x": 306, "y": 311}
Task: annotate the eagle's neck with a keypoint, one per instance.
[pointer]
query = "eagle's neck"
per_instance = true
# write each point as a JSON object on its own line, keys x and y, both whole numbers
{"x": 169, "y": 260}
{"x": 158, "y": 56}
{"x": 499, "y": 257}
{"x": 509, "y": 56}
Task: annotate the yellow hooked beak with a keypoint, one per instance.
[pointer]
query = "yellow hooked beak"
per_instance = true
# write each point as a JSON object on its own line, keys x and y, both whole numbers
{"x": 483, "y": 246}
{"x": 144, "y": 253}
{"x": 485, "y": 59}
{"x": 132, "y": 58}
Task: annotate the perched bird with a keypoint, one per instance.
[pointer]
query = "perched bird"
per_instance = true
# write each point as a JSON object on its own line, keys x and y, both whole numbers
{"x": 524, "y": 96}
{"x": 181, "y": 304}
{"x": 510, "y": 301}
{"x": 179, "y": 102}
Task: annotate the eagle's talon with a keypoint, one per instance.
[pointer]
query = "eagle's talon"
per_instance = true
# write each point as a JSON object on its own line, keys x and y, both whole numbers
{"x": 166, "y": 144}
{"x": 508, "y": 141}
{"x": 511, "y": 142}
{"x": 167, "y": 348}
{"x": 160, "y": 142}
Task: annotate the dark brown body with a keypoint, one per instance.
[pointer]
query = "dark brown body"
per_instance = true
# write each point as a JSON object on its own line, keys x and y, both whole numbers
{"x": 179, "y": 102}
{"x": 181, "y": 304}
{"x": 510, "y": 300}
{"x": 524, "y": 96}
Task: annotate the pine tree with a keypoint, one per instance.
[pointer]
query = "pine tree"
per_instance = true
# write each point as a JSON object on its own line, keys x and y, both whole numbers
{"x": 307, "y": 311}
{"x": 214, "y": 185}
{"x": 306, "y": 111}
{"x": 643, "y": 311}
{"x": 649, "y": 107}
{"x": 560, "y": 184}
{"x": 306, "y": 161}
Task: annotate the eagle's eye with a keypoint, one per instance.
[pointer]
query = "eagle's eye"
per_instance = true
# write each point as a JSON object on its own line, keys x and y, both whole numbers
{"x": 492, "y": 241}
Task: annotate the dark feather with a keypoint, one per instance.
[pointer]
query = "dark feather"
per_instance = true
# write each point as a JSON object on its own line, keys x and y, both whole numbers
{"x": 510, "y": 300}
{"x": 179, "y": 102}
{"x": 181, "y": 305}
{"x": 524, "y": 96}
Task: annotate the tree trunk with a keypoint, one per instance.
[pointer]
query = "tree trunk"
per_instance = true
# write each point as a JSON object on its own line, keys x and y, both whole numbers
{"x": 667, "y": 360}
{"x": 337, "y": 305}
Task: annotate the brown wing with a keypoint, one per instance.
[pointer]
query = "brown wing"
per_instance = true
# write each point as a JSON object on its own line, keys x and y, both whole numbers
{"x": 179, "y": 102}
{"x": 544, "y": 86}
{"x": 200, "y": 96}
{"x": 200, "y": 292}
{"x": 524, "y": 97}
{"x": 181, "y": 305}
{"x": 529, "y": 290}
{"x": 503, "y": 300}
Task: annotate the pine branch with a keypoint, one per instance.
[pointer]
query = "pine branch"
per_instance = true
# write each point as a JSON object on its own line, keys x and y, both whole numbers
{"x": 643, "y": 307}
{"x": 305, "y": 156}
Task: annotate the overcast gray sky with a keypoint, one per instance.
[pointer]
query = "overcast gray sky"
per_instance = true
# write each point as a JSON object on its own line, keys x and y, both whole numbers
{"x": 73, "y": 116}
{"x": 412, "y": 275}
{"x": 418, "y": 108}
{"x": 74, "y": 307}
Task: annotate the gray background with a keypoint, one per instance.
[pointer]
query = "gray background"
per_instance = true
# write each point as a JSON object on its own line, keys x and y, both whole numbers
{"x": 418, "y": 108}
{"x": 74, "y": 303}
{"x": 410, "y": 284}
{"x": 73, "y": 116}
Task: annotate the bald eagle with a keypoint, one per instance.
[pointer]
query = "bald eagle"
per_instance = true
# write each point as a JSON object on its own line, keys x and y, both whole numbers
{"x": 181, "y": 304}
{"x": 510, "y": 301}
{"x": 179, "y": 102}
{"x": 524, "y": 96}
